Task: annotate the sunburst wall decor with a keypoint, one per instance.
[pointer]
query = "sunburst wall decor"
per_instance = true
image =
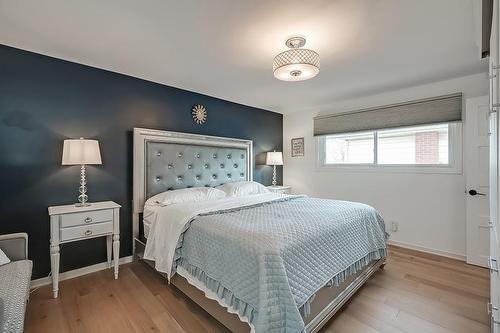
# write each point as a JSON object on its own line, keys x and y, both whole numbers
{"x": 199, "y": 113}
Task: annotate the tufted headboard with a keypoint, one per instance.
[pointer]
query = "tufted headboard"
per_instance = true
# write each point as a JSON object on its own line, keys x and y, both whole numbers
{"x": 166, "y": 160}
{"x": 170, "y": 166}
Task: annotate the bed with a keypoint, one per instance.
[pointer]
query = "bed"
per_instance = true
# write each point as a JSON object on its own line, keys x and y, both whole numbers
{"x": 262, "y": 262}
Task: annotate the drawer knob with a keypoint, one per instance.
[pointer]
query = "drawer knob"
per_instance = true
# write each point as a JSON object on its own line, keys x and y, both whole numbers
{"x": 88, "y": 232}
{"x": 88, "y": 220}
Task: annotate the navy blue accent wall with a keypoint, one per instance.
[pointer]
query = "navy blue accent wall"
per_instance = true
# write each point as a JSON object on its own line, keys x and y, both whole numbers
{"x": 45, "y": 100}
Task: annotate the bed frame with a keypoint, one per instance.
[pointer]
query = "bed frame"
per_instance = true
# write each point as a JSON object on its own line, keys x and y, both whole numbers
{"x": 166, "y": 160}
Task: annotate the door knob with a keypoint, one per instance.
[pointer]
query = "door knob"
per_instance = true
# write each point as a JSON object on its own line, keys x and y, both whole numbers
{"x": 474, "y": 192}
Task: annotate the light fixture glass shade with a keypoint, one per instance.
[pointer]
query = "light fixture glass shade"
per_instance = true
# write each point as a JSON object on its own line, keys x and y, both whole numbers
{"x": 296, "y": 65}
{"x": 274, "y": 158}
{"x": 81, "y": 152}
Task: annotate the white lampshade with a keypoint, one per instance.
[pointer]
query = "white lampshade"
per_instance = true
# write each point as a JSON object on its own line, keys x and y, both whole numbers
{"x": 274, "y": 158}
{"x": 80, "y": 152}
{"x": 296, "y": 65}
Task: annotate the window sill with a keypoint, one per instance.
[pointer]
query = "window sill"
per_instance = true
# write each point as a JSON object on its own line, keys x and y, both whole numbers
{"x": 421, "y": 169}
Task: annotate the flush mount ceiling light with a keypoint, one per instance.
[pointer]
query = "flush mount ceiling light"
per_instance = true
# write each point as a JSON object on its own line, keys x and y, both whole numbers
{"x": 296, "y": 64}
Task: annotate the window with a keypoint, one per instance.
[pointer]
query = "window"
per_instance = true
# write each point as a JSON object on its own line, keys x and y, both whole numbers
{"x": 350, "y": 148}
{"x": 414, "y": 145}
{"x": 425, "y": 146}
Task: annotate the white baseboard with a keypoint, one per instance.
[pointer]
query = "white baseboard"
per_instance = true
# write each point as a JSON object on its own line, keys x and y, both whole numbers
{"x": 78, "y": 272}
{"x": 447, "y": 254}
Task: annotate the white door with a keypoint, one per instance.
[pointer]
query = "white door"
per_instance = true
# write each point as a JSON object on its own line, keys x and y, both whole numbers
{"x": 477, "y": 179}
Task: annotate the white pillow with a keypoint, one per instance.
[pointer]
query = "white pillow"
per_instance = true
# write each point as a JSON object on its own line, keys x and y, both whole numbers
{"x": 238, "y": 189}
{"x": 192, "y": 194}
{"x": 3, "y": 258}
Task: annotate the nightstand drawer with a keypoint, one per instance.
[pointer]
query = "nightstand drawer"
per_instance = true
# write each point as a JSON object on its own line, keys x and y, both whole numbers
{"x": 86, "y": 231}
{"x": 84, "y": 218}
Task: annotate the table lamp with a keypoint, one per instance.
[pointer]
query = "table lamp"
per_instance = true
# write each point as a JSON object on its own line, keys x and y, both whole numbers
{"x": 81, "y": 152}
{"x": 274, "y": 158}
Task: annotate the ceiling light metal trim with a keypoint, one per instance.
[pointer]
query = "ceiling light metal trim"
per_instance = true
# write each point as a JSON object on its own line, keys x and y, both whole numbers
{"x": 294, "y": 42}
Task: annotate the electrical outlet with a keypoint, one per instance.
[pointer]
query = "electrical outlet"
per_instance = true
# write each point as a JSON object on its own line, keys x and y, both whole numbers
{"x": 394, "y": 226}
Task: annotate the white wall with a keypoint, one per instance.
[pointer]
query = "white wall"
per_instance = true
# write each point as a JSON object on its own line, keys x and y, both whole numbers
{"x": 430, "y": 208}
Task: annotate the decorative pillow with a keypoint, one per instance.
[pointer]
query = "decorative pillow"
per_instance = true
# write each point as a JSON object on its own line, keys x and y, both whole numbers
{"x": 3, "y": 258}
{"x": 238, "y": 189}
{"x": 186, "y": 195}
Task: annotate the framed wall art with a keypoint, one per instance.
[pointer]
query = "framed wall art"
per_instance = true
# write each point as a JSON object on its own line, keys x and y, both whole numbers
{"x": 297, "y": 147}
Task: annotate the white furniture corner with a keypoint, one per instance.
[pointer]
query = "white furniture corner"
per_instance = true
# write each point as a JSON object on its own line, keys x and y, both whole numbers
{"x": 280, "y": 189}
{"x": 494, "y": 224}
{"x": 71, "y": 223}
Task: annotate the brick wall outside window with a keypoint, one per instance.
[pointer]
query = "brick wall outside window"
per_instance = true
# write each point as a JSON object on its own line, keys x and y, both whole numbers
{"x": 427, "y": 147}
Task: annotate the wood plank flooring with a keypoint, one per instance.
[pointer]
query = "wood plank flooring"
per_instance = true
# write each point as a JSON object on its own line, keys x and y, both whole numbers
{"x": 416, "y": 292}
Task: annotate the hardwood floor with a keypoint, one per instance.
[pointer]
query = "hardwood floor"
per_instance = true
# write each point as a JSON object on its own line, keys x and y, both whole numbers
{"x": 416, "y": 292}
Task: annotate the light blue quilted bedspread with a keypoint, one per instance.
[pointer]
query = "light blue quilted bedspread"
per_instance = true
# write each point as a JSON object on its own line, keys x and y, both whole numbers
{"x": 268, "y": 260}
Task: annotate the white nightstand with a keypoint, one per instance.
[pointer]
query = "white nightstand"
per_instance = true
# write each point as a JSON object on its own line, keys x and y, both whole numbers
{"x": 280, "y": 189}
{"x": 71, "y": 223}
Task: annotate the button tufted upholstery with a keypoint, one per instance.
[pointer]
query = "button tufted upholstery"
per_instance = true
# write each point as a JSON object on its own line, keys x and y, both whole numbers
{"x": 174, "y": 166}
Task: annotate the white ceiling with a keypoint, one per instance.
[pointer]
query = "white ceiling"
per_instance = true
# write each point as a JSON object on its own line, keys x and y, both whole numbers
{"x": 225, "y": 48}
